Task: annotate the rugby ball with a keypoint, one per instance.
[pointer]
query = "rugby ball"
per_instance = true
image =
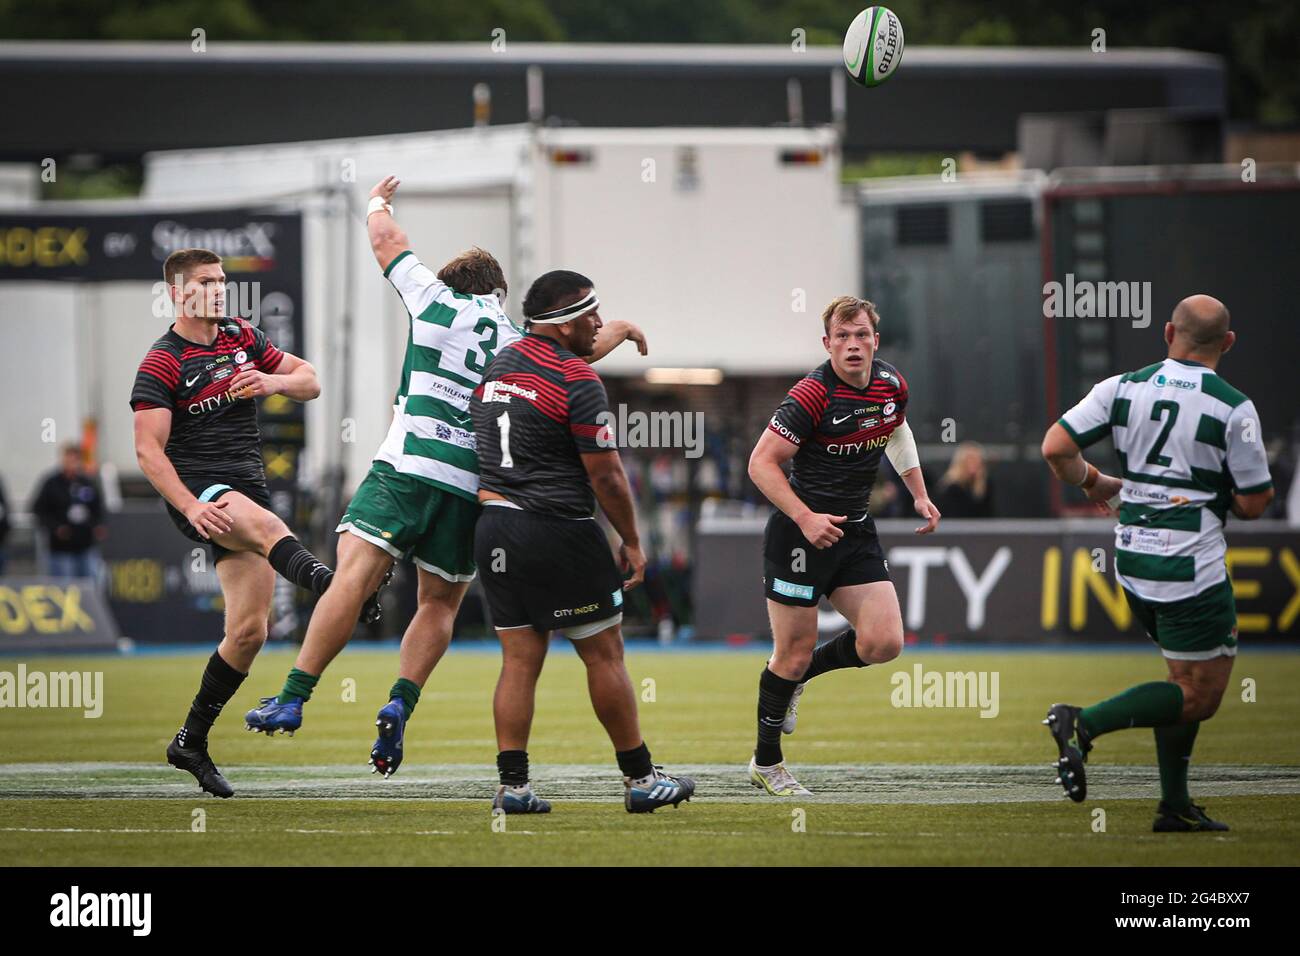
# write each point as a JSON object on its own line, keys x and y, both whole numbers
{"x": 873, "y": 46}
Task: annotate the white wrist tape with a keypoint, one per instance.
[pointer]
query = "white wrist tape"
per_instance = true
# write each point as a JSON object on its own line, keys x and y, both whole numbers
{"x": 377, "y": 203}
{"x": 901, "y": 449}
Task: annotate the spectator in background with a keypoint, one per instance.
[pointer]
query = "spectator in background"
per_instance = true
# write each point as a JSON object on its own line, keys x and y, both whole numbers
{"x": 70, "y": 509}
{"x": 886, "y": 502}
{"x": 4, "y": 525}
{"x": 963, "y": 491}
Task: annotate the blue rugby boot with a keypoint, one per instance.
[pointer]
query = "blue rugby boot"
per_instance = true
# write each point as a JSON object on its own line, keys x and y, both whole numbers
{"x": 657, "y": 790}
{"x": 386, "y": 754}
{"x": 273, "y": 716}
{"x": 519, "y": 800}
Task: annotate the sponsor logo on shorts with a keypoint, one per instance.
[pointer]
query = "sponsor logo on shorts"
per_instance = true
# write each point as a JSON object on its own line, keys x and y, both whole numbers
{"x": 367, "y": 526}
{"x": 617, "y": 597}
{"x": 785, "y": 588}
{"x": 575, "y": 611}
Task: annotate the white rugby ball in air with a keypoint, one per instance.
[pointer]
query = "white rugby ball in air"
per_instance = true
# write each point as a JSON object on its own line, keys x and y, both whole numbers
{"x": 873, "y": 46}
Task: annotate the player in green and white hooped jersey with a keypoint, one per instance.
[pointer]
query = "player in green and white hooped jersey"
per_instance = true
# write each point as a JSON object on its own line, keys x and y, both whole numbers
{"x": 419, "y": 500}
{"x": 1191, "y": 449}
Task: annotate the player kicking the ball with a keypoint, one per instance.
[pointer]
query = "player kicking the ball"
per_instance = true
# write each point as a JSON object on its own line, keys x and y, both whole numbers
{"x": 419, "y": 500}
{"x": 833, "y": 425}
{"x": 197, "y": 441}
{"x": 1191, "y": 448}
{"x": 546, "y": 459}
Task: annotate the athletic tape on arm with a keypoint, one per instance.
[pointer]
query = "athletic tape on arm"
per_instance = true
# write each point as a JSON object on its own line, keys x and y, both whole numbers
{"x": 901, "y": 449}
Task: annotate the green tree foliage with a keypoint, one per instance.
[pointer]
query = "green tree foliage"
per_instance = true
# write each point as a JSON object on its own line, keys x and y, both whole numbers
{"x": 1258, "y": 39}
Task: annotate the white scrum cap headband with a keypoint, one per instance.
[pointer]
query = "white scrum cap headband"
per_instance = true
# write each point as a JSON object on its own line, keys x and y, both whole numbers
{"x": 568, "y": 313}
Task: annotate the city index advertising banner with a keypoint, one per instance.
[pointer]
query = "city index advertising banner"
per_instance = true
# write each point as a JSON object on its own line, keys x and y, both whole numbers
{"x": 1008, "y": 581}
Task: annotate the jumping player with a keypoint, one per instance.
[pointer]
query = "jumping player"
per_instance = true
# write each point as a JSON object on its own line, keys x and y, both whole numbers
{"x": 833, "y": 427}
{"x": 546, "y": 459}
{"x": 198, "y": 443}
{"x": 419, "y": 500}
{"x": 1191, "y": 449}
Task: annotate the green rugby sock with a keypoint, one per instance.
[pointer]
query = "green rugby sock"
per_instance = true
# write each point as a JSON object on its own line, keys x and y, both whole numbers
{"x": 408, "y": 692}
{"x": 298, "y": 684}
{"x": 1174, "y": 753}
{"x": 1156, "y": 704}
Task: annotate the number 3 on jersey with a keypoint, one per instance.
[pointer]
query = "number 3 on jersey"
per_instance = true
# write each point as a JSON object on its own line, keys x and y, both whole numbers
{"x": 504, "y": 423}
{"x": 487, "y": 344}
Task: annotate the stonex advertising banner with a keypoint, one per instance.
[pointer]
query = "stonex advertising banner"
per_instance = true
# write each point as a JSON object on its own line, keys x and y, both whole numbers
{"x": 262, "y": 257}
{"x": 1021, "y": 581}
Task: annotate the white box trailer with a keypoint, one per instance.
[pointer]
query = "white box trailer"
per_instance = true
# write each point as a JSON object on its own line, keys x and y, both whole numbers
{"x": 723, "y": 244}
{"x": 712, "y": 240}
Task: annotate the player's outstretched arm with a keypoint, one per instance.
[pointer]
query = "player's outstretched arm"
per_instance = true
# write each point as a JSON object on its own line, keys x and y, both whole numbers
{"x": 614, "y": 333}
{"x": 609, "y": 482}
{"x": 1066, "y": 461}
{"x": 153, "y": 426}
{"x": 387, "y": 240}
{"x": 771, "y": 452}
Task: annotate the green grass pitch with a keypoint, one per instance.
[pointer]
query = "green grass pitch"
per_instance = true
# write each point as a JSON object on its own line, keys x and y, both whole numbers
{"x": 892, "y": 785}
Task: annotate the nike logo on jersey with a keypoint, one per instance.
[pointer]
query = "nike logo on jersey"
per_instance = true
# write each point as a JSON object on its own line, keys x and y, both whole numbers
{"x": 836, "y": 421}
{"x": 190, "y": 381}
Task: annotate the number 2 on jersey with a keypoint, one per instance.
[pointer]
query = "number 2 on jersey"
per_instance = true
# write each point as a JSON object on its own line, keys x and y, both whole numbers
{"x": 1154, "y": 457}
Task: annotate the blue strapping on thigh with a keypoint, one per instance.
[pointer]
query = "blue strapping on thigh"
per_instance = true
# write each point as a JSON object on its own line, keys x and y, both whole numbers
{"x": 211, "y": 491}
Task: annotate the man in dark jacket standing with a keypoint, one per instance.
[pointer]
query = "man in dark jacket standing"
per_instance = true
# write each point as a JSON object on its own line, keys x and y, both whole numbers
{"x": 70, "y": 509}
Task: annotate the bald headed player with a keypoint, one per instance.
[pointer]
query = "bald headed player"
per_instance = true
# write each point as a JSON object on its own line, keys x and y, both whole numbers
{"x": 1191, "y": 449}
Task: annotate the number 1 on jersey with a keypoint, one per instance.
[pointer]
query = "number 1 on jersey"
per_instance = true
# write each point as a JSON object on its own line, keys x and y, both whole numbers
{"x": 504, "y": 423}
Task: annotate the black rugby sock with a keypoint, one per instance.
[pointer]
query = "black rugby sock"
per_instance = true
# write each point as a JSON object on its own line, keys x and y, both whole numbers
{"x": 220, "y": 681}
{"x": 635, "y": 763}
{"x": 836, "y": 653}
{"x": 774, "y": 695}
{"x": 295, "y": 563}
{"x": 512, "y": 766}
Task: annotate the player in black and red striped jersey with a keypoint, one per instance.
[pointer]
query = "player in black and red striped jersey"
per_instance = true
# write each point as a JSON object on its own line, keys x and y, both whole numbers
{"x": 197, "y": 441}
{"x": 834, "y": 426}
{"x": 546, "y": 456}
